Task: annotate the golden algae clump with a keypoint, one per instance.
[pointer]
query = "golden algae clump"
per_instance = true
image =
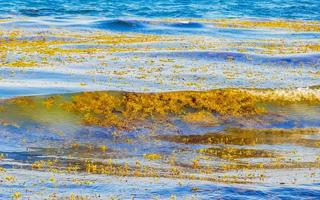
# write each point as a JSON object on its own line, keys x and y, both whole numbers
{"x": 123, "y": 109}
{"x": 291, "y": 48}
{"x": 22, "y": 63}
{"x": 10, "y": 178}
{"x": 152, "y": 156}
{"x": 126, "y": 110}
{"x": 49, "y": 102}
{"x": 298, "y": 26}
{"x": 2, "y": 170}
{"x": 250, "y": 137}
{"x": 77, "y": 197}
{"x": 16, "y": 195}
{"x": 201, "y": 117}
{"x": 97, "y": 108}
{"x": 230, "y": 153}
{"x": 103, "y": 148}
{"x": 39, "y": 164}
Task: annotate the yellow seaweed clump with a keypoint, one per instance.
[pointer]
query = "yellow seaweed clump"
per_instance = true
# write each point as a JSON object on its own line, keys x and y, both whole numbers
{"x": 97, "y": 108}
{"x": 230, "y": 153}
{"x": 152, "y": 156}
{"x": 249, "y": 137}
{"x": 126, "y": 109}
{"x": 298, "y": 26}
{"x": 16, "y": 195}
{"x": 201, "y": 117}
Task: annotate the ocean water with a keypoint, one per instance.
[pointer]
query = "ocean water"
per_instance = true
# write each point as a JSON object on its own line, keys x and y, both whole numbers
{"x": 254, "y": 135}
{"x": 291, "y": 9}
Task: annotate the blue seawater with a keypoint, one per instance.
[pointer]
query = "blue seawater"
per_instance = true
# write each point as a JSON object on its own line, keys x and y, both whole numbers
{"x": 288, "y": 9}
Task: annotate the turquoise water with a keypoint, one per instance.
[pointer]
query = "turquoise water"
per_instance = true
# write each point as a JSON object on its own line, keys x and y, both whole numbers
{"x": 291, "y": 9}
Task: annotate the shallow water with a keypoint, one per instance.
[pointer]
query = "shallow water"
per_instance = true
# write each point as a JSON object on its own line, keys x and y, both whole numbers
{"x": 188, "y": 155}
{"x": 86, "y": 54}
{"x": 203, "y": 140}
